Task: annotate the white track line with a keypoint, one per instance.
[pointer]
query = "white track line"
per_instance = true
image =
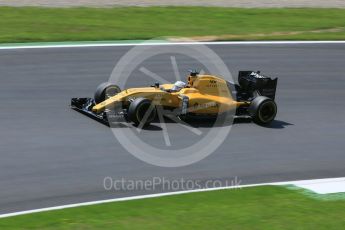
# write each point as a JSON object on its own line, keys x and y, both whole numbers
{"x": 336, "y": 185}
{"x": 298, "y": 183}
{"x": 81, "y": 45}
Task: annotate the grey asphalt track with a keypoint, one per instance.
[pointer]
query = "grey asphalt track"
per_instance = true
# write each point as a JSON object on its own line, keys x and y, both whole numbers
{"x": 51, "y": 155}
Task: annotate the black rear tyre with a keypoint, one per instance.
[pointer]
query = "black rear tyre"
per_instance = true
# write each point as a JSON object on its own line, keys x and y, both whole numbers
{"x": 106, "y": 90}
{"x": 141, "y": 110}
{"x": 263, "y": 110}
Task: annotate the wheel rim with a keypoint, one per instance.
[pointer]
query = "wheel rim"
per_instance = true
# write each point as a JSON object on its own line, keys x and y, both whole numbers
{"x": 267, "y": 111}
{"x": 142, "y": 110}
{"x": 111, "y": 91}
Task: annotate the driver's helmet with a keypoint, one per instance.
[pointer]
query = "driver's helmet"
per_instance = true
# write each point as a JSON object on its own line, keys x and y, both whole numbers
{"x": 178, "y": 86}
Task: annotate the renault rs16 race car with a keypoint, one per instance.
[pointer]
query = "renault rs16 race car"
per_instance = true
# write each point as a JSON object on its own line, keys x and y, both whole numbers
{"x": 202, "y": 96}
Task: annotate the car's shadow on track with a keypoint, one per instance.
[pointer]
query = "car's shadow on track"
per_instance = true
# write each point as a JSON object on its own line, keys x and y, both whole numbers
{"x": 276, "y": 124}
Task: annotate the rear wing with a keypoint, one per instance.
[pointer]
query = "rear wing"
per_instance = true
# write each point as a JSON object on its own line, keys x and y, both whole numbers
{"x": 251, "y": 81}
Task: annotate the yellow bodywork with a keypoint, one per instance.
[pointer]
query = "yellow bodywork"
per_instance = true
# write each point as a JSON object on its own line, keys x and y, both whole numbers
{"x": 207, "y": 94}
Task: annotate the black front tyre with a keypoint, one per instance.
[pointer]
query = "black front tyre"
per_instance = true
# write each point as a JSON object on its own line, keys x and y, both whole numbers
{"x": 263, "y": 110}
{"x": 105, "y": 91}
{"x": 141, "y": 110}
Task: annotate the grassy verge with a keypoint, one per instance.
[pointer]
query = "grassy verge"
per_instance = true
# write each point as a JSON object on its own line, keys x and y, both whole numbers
{"x": 266, "y": 207}
{"x": 31, "y": 24}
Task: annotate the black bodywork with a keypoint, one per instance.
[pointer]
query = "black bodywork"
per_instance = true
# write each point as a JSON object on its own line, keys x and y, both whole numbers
{"x": 84, "y": 106}
{"x": 251, "y": 84}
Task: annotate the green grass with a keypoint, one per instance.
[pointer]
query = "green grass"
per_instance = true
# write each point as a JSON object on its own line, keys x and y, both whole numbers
{"x": 31, "y": 24}
{"x": 267, "y": 207}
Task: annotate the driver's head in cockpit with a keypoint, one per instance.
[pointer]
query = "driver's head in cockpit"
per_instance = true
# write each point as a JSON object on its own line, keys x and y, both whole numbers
{"x": 178, "y": 86}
